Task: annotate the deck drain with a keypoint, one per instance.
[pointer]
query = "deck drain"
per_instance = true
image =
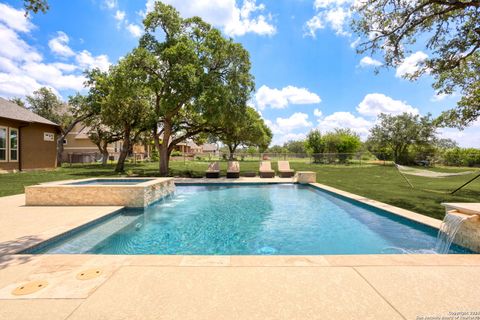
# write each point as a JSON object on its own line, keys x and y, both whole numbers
{"x": 89, "y": 274}
{"x": 29, "y": 288}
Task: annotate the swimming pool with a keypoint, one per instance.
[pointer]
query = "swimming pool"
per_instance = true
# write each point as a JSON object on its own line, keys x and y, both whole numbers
{"x": 285, "y": 219}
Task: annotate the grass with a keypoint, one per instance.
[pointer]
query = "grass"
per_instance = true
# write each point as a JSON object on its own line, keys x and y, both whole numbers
{"x": 382, "y": 183}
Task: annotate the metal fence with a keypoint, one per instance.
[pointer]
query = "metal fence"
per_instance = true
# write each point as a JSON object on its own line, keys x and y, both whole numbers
{"x": 359, "y": 158}
{"x": 324, "y": 158}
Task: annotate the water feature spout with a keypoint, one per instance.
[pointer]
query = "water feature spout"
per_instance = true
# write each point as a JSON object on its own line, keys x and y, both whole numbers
{"x": 448, "y": 230}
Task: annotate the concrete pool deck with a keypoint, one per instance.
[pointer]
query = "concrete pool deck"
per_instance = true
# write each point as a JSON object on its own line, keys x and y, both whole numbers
{"x": 220, "y": 287}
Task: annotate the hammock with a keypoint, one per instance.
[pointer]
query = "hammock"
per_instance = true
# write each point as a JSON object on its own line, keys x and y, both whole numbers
{"x": 430, "y": 174}
{"x": 433, "y": 174}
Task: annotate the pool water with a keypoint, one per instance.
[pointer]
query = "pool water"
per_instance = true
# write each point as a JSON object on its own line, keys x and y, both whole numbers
{"x": 251, "y": 220}
{"x": 109, "y": 182}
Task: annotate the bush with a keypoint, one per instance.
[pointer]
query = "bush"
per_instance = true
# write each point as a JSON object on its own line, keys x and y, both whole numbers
{"x": 468, "y": 157}
{"x": 176, "y": 154}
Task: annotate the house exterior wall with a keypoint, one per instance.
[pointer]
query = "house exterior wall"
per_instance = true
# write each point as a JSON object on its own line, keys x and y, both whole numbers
{"x": 34, "y": 151}
{"x": 78, "y": 142}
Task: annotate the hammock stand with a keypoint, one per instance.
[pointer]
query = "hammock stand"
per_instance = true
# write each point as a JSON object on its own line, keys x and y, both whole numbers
{"x": 432, "y": 174}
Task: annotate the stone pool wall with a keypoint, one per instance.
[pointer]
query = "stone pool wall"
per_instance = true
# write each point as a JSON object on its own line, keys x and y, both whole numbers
{"x": 469, "y": 234}
{"x": 135, "y": 196}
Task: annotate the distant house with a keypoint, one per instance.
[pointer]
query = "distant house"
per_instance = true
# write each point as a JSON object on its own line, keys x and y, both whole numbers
{"x": 78, "y": 148}
{"x": 27, "y": 141}
{"x": 211, "y": 148}
{"x": 188, "y": 147}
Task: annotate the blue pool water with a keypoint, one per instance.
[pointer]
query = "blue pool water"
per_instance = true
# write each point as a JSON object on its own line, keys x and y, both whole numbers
{"x": 109, "y": 182}
{"x": 251, "y": 220}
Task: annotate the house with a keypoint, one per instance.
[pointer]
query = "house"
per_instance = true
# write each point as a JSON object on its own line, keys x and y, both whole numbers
{"x": 188, "y": 147}
{"x": 77, "y": 146}
{"x": 211, "y": 148}
{"x": 27, "y": 141}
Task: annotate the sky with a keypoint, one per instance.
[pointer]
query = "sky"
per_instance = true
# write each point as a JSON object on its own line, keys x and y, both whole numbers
{"x": 307, "y": 72}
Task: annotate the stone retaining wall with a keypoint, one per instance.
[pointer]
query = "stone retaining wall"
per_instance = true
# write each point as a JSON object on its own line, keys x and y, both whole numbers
{"x": 469, "y": 234}
{"x": 138, "y": 195}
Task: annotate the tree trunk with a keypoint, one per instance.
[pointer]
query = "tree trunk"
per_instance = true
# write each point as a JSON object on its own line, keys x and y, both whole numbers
{"x": 124, "y": 153}
{"x": 231, "y": 149}
{"x": 60, "y": 139}
{"x": 163, "y": 151}
{"x": 104, "y": 151}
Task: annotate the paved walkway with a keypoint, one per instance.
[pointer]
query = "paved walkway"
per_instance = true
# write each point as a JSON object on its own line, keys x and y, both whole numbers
{"x": 219, "y": 287}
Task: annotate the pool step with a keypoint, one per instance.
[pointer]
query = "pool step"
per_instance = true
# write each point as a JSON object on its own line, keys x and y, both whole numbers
{"x": 85, "y": 241}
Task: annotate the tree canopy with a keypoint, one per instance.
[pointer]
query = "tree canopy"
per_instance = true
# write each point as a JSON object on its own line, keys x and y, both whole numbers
{"x": 122, "y": 100}
{"x": 35, "y": 6}
{"x": 46, "y": 104}
{"x": 396, "y": 134}
{"x": 450, "y": 30}
{"x": 247, "y": 129}
{"x": 197, "y": 77}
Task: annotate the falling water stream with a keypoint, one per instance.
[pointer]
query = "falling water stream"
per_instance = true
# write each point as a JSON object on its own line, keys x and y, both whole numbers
{"x": 447, "y": 232}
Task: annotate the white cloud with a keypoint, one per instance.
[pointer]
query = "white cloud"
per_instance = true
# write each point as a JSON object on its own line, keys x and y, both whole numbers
{"x": 283, "y": 128}
{"x": 468, "y": 138}
{"x": 233, "y": 19}
{"x": 339, "y": 120}
{"x": 317, "y": 113}
{"x": 14, "y": 48}
{"x": 135, "y": 30}
{"x": 298, "y": 120}
{"x": 281, "y": 139}
{"x": 330, "y": 13}
{"x": 355, "y": 43}
{"x": 8, "y": 65}
{"x": 59, "y": 45}
{"x": 13, "y": 85}
{"x": 110, "y": 4}
{"x": 65, "y": 66}
{"x": 119, "y": 15}
{"x": 281, "y": 98}
{"x": 411, "y": 64}
{"x": 375, "y": 103}
{"x": 369, "y": 62}
{"x": 22, "y": 69}
{"x": 14, "y": 19}
{"x": 87, "y": 61}
{"x": 51, "y": 75}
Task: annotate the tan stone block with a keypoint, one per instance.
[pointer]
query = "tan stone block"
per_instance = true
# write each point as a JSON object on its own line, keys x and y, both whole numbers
{"x": 235, "y": 293}
{"x": 51, "y": 309}
{"x": 426, "y": 291}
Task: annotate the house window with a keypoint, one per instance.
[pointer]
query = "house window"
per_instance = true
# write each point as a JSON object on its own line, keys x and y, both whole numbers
{"x": 3, "y": 144}
{"x": 65, "y": 142}
{"x": 13, "y": 144}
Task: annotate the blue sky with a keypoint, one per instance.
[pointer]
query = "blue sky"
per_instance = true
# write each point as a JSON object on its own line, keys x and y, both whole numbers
{"x": 306, "y": 70}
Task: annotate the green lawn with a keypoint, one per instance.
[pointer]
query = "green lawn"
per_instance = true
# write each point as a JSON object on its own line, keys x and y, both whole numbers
{"x": 382, "y": 183}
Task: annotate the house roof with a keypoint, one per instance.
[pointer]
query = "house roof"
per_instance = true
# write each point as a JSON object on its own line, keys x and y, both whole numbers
{"x": 10, "y": 110}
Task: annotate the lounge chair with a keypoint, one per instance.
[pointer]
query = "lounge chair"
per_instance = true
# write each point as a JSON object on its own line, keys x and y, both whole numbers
{"x": 266, "y": 170}
{"x": 213, "y": 171}
{"x": 233, "y": 170}
{"x": 284, "y": 170}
